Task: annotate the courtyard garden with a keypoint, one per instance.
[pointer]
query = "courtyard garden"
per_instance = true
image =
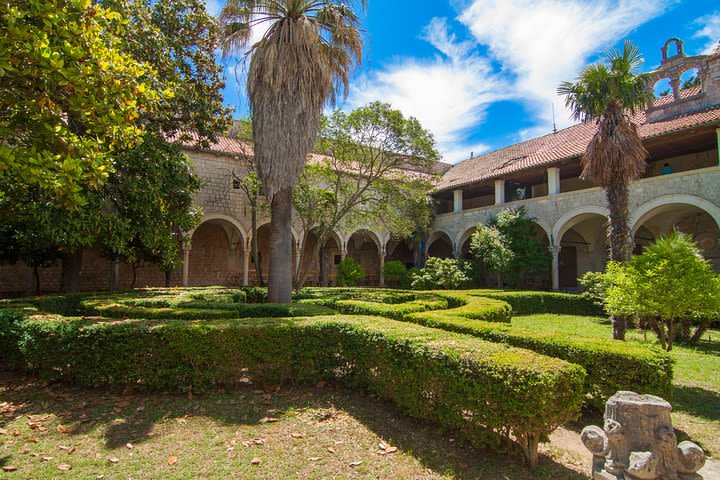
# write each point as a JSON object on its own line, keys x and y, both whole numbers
{"x": 342, "y": 382}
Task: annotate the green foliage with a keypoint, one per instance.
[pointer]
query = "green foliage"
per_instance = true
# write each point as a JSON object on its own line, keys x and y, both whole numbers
{"x": 517, "y": 232}
{"x": 395, "y": 272}
{"x": 693, "y": 81}
{"x": 255, "y": 294}
{"x": 378, "y": 169}
{"x": 491, "y": 250}
{"x": 389, "y": 310}
{"x": 444, "y": 273}
{"x": 349, "y": 272}
{"x": 669, "y": 283}
{"x": 137, "y": 202}
{"x": 531, "y": 302}
{"x": 70, "y": 96}
{"x": 480, "y": 389}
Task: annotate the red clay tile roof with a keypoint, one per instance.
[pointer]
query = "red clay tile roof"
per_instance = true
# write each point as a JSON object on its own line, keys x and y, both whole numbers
{"x": 230, "y": 146}
{"x": 563, "y": 145}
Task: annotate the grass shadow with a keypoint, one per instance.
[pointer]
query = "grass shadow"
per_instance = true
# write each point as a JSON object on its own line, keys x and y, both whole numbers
{"x": 128, "y": 418}
{"x": 697, "y": 401}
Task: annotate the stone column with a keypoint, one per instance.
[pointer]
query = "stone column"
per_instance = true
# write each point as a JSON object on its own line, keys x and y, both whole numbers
{"x": 186, "y": 264}
{"x": 553, "y": 184}
{"x": 717, "y": 131}
{"x": 499, "y": 192}
{"x": 246, "y": 266}
{"x": 298, "y": 258}
{"x": 675, "y": 85}
{"x": 457, "y": 201}
{"x": 114, "y": 274}
{"x": 457, "y": 254}
{"x": 382, "y": 267}
{"x": 555, "y": 251}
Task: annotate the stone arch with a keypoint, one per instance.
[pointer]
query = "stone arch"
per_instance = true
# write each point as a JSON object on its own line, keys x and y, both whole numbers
{"x": 216, "y": 254}
{"x": 365, "y": 246}
{"x": 572, "y": 218}
{"x": 324, "y": 270}
{"x": 678, "y": 48}
{"x": 649, "y": 209}
{"x": 660, "y": 85}
{"x": 266, "y": 222}
{"x": 440, "y": 244}
{"x": 224, "y": 218}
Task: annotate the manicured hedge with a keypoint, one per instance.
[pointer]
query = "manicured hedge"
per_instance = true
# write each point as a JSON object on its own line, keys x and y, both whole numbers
{"x": 389, "y": 310}
{"x": 528, "y": 303}
{"x": 484, "y": 390}
{"x": 611, "y": 365}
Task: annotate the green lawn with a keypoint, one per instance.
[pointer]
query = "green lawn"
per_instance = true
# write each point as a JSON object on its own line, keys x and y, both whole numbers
{"x": 696, "y": 375}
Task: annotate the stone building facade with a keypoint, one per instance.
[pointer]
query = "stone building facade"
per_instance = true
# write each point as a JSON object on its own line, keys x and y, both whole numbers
{"x": 681, "y": 189}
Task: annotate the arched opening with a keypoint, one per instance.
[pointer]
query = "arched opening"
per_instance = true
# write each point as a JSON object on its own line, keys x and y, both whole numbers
{"x": 400, "y": 250}
{"x": 440, "y": 245}
{"x": 583, "y": 248}
{"x": 663, "y": 89}
{"x": 324, "y": 270}
{"x": 363, "y": 246}
{"x": 216, "y": 256}
{"x": 464, "y": 241}
{"x": 683, "y": 217}
{"x": 690, "y": 81}
{"x": 263, "y": 245}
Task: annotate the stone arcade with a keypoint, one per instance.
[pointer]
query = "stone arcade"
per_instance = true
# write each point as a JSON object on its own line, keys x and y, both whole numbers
{"x": 681, "y": 130}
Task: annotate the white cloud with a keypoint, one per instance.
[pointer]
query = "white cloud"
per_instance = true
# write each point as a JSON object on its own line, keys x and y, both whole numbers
{"x": 448, "y": 94}
{"x": 543, "y": 42}
{"x": 710, "y": 29}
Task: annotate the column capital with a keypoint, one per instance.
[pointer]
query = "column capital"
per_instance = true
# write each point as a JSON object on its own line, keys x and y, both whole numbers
{"x": 186, "y": 247}
{"x": 554, "y": 249}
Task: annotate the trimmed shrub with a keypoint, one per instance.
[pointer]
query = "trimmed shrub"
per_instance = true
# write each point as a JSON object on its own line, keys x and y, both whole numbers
{"x": 349, "y": 272}
{"x": 483, "y": 390}
{"x": 395, "y": 272}
{"x": 528, "y": 303}
{"x": 389, "y": 310}
{"x": 255, "y": 294}
{"x": 611, "y": 365}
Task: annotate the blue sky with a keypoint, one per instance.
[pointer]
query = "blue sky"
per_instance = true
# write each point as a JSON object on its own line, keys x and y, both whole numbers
{"x": 482, "y": 74}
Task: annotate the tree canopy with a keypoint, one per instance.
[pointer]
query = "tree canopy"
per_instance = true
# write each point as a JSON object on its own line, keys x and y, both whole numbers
{"x": 377, "y": 172}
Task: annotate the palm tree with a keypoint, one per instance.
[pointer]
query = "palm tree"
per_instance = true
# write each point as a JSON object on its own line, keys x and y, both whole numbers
{"x": 304, "y": 58}
{"x": 607, "y": 92}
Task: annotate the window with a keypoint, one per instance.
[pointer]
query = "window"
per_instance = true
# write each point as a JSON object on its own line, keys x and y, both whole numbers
{"x": 236, "y": 184}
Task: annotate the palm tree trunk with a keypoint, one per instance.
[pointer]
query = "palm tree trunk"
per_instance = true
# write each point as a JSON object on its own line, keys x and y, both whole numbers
{"x": 619, "y": 239}
{"x": 280, "y": 275}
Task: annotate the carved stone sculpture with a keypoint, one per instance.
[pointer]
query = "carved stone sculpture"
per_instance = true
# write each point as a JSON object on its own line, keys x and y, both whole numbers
{"x": 638, "y": 442}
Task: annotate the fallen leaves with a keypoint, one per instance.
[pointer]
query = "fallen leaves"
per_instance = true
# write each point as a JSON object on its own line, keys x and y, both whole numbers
{"x": 330, "y": 449}
{"x": 64, "y": 467}
{"x": 8, "y": 468}
{"x": 255, "y": 461}
{"x": 113, "y": 460}
{"x": 268, "y": 420}
{"x": 172, "y": 460}
{"x": 356, "y": 463}
{"x": 63, "y": 429}
{"x": 385, "y": 448}
{"x": 297, "y": 435}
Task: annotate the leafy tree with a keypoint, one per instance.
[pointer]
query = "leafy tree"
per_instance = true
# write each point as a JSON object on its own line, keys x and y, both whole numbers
{"x": 149, "y": 205}
{"x": 144, "y": 204}
{"x": 377, "y": 172}
{"x": 69, "y": 96}
{"x": 665, "y": 93}
{"x": 606, "y": 91}
{"x": 530, "y": 256}
{"x": 304, "y": 58}
{"x": 669, "y": 285}
{"x": 492, "y": 251}
{"x": 443, "y": 273}
{"x": 349, "y": 272}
